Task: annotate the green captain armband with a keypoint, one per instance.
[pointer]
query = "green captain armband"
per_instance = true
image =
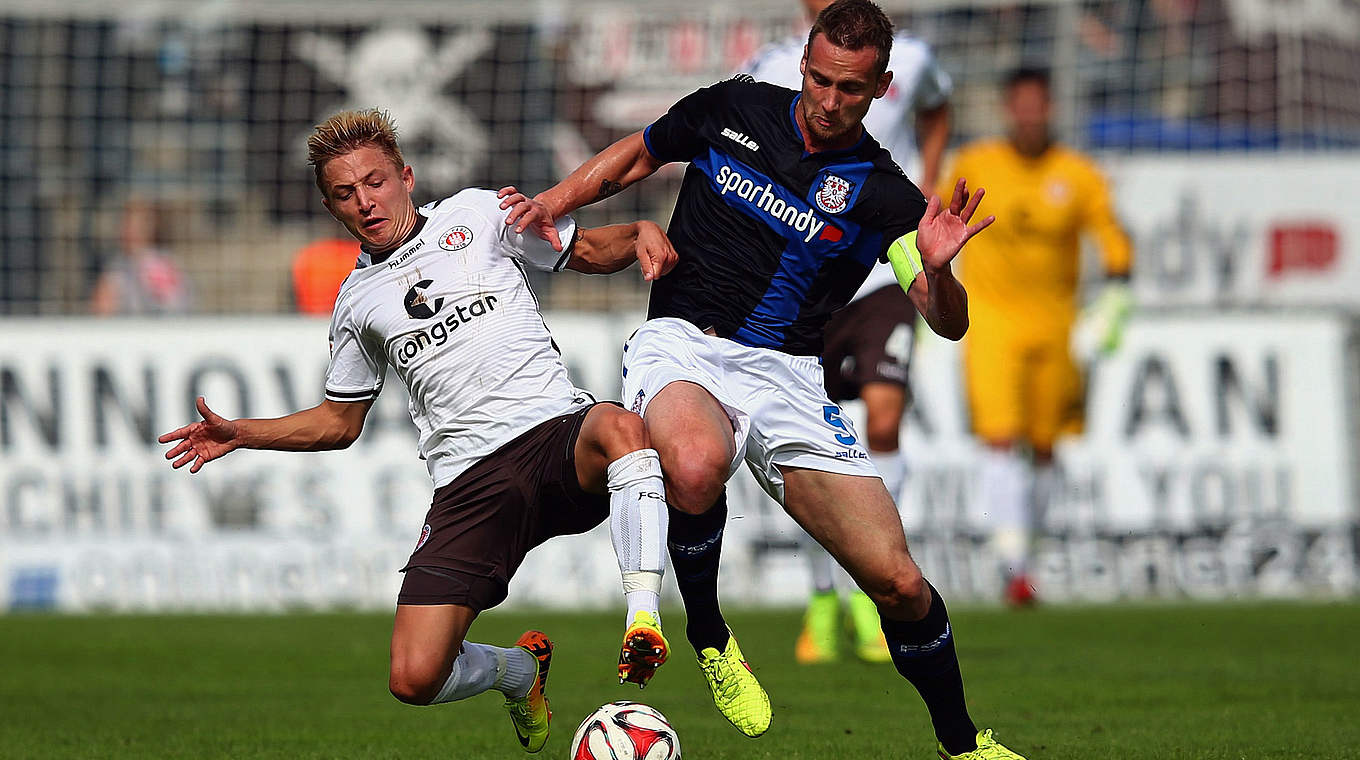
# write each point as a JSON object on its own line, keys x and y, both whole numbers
{"x": 905, "y": 260}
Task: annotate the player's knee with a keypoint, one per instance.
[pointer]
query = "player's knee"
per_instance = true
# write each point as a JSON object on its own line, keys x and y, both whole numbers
{"x": 904, "y": 589}
{"x": 695, "y": 480}
{"x": 413, "y": 684}
{"x": 620, "y": 432}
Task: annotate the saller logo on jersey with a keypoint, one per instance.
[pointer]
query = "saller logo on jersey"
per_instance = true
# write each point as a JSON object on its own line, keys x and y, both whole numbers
{"x": 833, "y": 195}
{"x": 764, "y": 198}
{"x": 741, "y": 139}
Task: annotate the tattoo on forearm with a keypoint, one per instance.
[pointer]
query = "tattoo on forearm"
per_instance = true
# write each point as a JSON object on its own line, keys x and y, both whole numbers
{"x": 607, "y": 188}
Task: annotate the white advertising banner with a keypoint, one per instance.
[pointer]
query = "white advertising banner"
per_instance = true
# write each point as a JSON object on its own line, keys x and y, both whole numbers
{"x": 1220, "y": 230}
{"x": 1219, "y": 460}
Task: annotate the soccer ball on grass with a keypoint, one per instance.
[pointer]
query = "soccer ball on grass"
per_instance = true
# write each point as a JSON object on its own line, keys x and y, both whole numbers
{"x": 625, "y": 731}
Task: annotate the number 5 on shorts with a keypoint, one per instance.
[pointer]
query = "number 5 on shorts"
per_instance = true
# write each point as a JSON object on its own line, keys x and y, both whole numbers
{"x": 832, "y": 414}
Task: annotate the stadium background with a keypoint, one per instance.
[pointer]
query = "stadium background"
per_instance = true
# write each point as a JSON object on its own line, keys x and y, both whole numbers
{"x": 1223, "y": 437}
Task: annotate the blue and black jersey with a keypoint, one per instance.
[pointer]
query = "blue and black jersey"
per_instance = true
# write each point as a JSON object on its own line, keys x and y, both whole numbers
{"x": 772, "y": 239}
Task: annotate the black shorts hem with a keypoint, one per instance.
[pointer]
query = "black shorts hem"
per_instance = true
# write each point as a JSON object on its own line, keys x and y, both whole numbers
{"x": 430, "y": 585}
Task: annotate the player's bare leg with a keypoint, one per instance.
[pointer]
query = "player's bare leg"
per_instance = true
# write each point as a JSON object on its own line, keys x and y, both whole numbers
{"x": 855, "y": 519}
{"x": 612, "y": 454}
{"x": 693, "y": 434}
{"x": 425, "y": 643}
{"x": 432, "y": 663}
{"x": 883, "y": 404}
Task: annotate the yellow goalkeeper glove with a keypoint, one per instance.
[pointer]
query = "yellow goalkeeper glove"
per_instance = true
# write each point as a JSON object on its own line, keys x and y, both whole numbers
{"x": 1100, "y": 328}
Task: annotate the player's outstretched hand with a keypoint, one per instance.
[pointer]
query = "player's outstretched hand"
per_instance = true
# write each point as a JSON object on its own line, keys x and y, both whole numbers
{"x": 654, "y": 250}
{"x": 529, "y": 214}
{"x": 941, "y": 234}
{"x": 202, "y": 442}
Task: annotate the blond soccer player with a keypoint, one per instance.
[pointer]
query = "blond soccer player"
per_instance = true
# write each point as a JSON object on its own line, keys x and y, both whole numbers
{"x": 517, "y": 454}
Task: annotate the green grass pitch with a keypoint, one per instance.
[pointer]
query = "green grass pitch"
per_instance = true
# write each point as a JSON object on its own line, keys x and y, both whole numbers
{"x": 1133, "y": 681}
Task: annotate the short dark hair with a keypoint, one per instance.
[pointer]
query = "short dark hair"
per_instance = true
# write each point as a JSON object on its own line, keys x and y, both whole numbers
{"x": 1028, "y": 75}
{"x": 855, "y": 25}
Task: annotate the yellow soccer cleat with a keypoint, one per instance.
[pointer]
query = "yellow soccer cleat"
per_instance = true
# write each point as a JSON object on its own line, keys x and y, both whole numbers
{"x": 530, "y": 713}
{"x": 870, "y": 645}
{"x": 818, "y": 643}
{"x": 736, "y": 692}
{"x": 987, "y": 749}
{"x": 644, "y": 650}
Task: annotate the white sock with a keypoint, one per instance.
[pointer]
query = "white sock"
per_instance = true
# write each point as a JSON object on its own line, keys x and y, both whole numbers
{"x": 821, "y": 564}
{"x": 1005, "y": 497}
{"x": 1047, "y": 489}
{"x": 637, "y": 524}
{"x": 892, "y": 467}
{"x": 481, "y": 667}
{"x": 843, "y": 579}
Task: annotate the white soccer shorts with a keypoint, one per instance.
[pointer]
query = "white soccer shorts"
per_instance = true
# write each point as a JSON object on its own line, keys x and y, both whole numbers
{"x": 777, "y": 403}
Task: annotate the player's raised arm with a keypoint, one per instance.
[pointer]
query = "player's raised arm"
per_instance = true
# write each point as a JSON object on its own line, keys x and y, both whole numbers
{"x": 1100, "y": 327}
{"x": 605, "y": 250}
{"x": 676, "y": 136}
{"x": 610, "y": 171}
{"x": 329, "y": 425}
{"x": 942, "y": 233}
{"x": 601, "y": 250}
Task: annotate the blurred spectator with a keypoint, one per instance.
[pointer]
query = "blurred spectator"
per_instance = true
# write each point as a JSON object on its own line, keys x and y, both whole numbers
{"x": 141, "y": 278}
{"x": 318, "y": 269}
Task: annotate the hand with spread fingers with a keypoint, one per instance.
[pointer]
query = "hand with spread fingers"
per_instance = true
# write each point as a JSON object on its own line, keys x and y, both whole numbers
{"x": 201, "y": 442}
{"x": 941, "y": 234}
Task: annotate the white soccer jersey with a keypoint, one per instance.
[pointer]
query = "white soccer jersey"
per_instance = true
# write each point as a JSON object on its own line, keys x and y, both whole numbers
{"x": 918, "y": 84}
{"x": 452, "y": 314}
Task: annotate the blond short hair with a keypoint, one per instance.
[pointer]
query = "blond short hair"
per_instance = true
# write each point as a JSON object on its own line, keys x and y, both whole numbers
{"x": 348, "y": 131}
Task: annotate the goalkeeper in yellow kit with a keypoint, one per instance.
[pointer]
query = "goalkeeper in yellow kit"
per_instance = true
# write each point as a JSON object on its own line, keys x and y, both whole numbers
{"x": 1024, "y": 388}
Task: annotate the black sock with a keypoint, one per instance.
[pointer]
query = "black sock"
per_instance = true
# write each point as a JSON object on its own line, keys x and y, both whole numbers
{"x": 695, "y": 543}
{"x": 923, "y": 651}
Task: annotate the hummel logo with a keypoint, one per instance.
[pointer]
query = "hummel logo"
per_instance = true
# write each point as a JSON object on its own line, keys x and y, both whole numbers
{"x": 741, "y": 139}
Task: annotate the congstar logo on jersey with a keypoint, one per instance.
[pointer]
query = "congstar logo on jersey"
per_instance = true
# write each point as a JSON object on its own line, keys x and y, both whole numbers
{"x": 763, "y": 196}
{"x": 407, "y": 347}
{"x": 417, "y": 305}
